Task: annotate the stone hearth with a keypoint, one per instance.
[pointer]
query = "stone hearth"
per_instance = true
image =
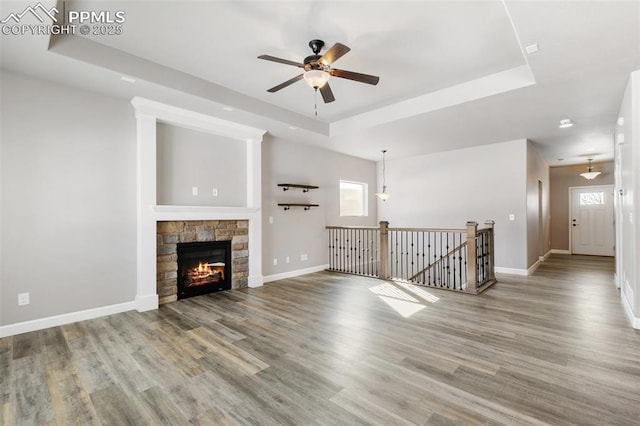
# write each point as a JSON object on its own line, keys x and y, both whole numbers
{"x": 170, "y": 233}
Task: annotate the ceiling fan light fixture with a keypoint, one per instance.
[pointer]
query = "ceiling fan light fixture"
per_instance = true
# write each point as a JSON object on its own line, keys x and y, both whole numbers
{"x": 316, "y": 78}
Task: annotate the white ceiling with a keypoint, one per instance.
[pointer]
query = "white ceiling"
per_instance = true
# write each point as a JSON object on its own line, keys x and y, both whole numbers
{"x": 452, "y": 74}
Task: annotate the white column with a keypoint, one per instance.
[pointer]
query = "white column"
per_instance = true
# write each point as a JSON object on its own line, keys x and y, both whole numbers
{"x": 146, "y": 294}
{"x": 254, "y": 201}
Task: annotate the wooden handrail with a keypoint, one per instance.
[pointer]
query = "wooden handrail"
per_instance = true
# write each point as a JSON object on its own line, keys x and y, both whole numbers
{"x": 374, "y": 228}
{"x": 439, "y": 260}
{"x": 459, "y": 231}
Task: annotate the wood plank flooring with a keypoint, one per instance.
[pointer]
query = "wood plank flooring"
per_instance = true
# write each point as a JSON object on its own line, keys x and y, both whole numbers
{"x": 330, "y": 349}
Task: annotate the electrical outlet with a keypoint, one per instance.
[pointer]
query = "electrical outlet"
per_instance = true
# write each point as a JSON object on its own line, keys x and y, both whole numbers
{"x": 194, "y": 190}
{"x": 275, "y": 261}
{"x": 287, "y": 260}
{"x": 304, "y": 257}
{"x": 214, "y": 192}
{"x": 23, "y": 299}
{"x": 270, "y": 219}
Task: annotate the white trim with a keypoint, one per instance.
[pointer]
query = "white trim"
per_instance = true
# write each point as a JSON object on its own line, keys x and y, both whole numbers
{"x": 57, "y": 320}
{"x": 545, "y": 257}
{"x": 296, "y": 273}
{"x": 146, "y": 302}
{"x": 194, "y": 120}
{"x": 255, "y": 281}
{"x": 559, "y": 251}
{"x": 635, "y": 321}
{"x": 510, "y": 271}
{"x": 533, "y": 268}
{"x": 166, "y": 213}
{"x": 148, "y": 114}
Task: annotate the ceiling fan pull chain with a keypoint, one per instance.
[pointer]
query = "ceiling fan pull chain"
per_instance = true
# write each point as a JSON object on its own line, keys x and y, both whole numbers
{"x": 315, "y": 102}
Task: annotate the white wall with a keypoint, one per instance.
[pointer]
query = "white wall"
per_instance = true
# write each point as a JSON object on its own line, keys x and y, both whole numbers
{"x": 68, "y": 182}
{"x": 447, "y": 189}
{"x": 538, "y": 239}
{"x": 628, "y": 211}
{"x": 296, "y": 231}
{"x": 188, "y": 158}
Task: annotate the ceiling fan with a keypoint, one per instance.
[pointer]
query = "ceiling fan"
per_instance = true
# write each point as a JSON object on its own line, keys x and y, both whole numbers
{"x": 317, "y": 69}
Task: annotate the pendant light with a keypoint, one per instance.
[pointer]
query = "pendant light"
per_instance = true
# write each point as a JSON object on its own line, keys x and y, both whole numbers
{"x": 590, "y": 174}
{"x": 384, "y": 195}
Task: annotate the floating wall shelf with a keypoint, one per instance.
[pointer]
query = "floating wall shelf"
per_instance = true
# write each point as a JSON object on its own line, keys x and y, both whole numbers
{"x": 288, "y": 186}
{"x": 287, "y": 206}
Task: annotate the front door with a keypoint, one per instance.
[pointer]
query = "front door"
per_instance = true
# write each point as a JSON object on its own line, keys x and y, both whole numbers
{"x": 591, "y": 219}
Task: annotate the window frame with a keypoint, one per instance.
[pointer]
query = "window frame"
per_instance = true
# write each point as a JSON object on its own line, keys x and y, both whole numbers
{"x": 365, "y": 198}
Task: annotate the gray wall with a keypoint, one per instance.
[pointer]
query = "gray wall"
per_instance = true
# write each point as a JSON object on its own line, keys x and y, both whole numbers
{"x": 447, "y": 189}
{"x": 68, "y": 191}
{"x": 538, "y": 243}
{"x": 188, "y": 158}
{"x": 563, "y": 178}
{"x": 296, "y": 231}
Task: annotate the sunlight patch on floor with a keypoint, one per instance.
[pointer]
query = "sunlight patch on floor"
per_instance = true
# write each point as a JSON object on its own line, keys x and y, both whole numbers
{"x": 403, "y": 297}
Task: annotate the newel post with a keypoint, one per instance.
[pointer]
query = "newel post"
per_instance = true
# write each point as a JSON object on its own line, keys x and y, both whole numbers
{"x": 490, "y": 224}
{"x": 383, "y": 253}
{"x": 472, "y": 256}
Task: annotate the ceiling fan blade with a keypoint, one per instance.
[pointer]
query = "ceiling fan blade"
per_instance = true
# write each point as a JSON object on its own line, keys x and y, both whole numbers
{"x": 281, "y": 61}
{"x": 327, "y": 94}
{"x": 336, "y": 52}
{"x": 285, "y": 84}
{"x": 356, "y": 76}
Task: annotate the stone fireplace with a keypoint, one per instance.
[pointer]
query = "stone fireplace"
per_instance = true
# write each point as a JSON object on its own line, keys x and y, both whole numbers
{"x": 172, "y": 233}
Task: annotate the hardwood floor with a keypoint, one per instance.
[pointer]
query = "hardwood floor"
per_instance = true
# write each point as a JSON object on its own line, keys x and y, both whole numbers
{"x": 554, "y": 348}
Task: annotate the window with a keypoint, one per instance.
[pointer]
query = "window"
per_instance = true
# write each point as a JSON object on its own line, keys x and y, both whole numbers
{"x": 353, "y": 198}
{"x": 591, "y": 198}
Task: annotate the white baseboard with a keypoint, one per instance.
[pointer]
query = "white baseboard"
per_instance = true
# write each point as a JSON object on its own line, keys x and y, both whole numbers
{"x": 635, "y": 321}
{"x": 545, "y": 256}
{"x": 147, "y": 303}
{"x": 56, "y": 320}
{"x": 558, "y": 251}
{"x": 255, "y": 281}
{"x": 510, "y": 271}
{"x": 533, "y": 268}
{"x": 296, "y": 273}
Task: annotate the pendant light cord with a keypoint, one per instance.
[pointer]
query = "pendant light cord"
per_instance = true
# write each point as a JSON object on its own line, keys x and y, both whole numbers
{"x": 384, "y": 167}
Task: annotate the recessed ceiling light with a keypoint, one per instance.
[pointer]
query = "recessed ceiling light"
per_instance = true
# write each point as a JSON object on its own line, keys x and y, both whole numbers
{"x": 566, "y": 123}
{"x": 128, "y": 79}
{"x": 293, "y": 128}
{"x": 620, "y": 121}
{"x": 532, "y": 48}
{"x": 227, "y": 108}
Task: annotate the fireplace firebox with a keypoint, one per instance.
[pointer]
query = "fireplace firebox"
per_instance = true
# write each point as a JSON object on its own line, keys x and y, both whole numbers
{"x": 203, "y": 267}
